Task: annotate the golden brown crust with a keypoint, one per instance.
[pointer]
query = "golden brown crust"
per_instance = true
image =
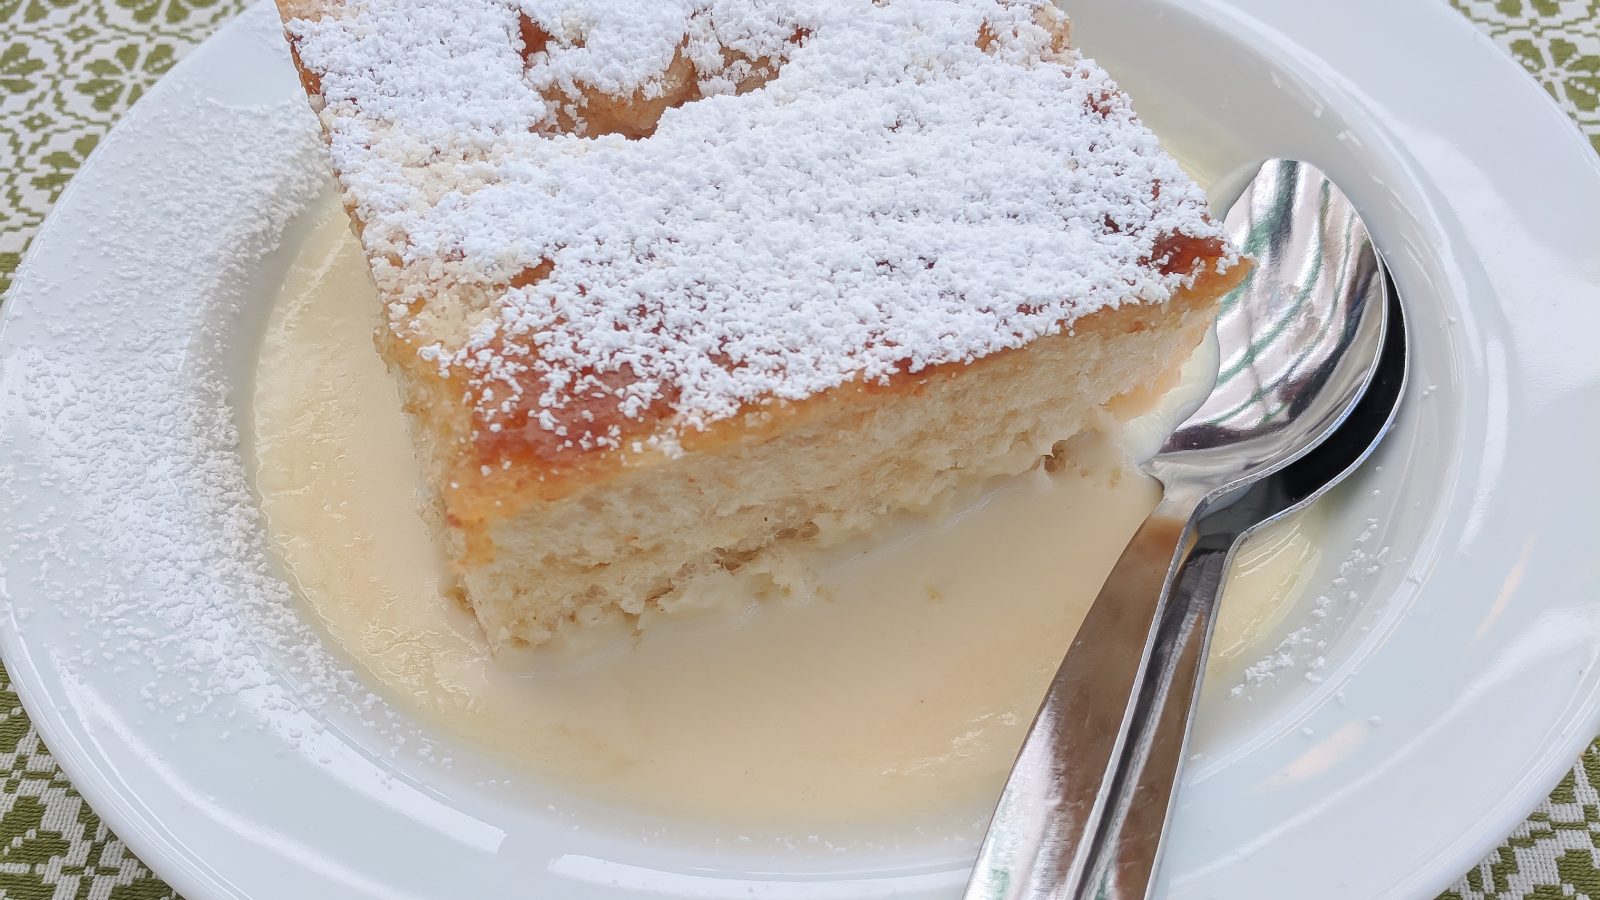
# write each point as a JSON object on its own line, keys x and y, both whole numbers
{"x": 306, "y": 9}
{"x": 477, "y": 496}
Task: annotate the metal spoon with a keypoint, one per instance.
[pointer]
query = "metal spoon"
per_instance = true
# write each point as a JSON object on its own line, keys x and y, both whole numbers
{"x": 1128, "y": 847}
{"x": 1300, "y": 341}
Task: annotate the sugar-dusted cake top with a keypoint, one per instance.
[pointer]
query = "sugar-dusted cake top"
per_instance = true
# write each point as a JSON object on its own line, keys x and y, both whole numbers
{"x": 619, "y": 219}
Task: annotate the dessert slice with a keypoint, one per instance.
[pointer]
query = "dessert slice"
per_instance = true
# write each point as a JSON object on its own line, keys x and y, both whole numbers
{"x": 671, "y": 286}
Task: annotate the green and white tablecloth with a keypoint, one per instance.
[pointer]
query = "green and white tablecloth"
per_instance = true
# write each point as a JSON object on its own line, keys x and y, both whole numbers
{"x": 69, "y": 68}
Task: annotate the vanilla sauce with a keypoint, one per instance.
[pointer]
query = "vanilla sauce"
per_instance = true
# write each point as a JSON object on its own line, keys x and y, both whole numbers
{"x": 900, "y": 690}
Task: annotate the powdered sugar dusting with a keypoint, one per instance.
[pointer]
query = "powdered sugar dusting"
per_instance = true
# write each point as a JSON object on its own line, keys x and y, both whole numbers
{"x": 1302, "y": 649}
{"x": 857, "y": 189}
{"x": 129, "y": 514}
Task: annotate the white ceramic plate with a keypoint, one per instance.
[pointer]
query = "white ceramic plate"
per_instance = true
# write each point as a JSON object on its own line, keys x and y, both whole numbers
{"x": 169, "y": 673}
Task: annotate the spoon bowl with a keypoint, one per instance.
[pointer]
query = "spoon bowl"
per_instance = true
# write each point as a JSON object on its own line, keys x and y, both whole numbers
{"x": 1300, "y": 336}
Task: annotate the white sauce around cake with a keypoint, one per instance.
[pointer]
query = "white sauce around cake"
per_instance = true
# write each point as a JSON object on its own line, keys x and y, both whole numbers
{"x": 895, "y": 198}
{"x": 897, "y": 692}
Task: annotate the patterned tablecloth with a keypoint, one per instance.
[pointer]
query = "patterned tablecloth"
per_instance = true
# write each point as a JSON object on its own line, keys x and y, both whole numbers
{"x": 69, "y": 68}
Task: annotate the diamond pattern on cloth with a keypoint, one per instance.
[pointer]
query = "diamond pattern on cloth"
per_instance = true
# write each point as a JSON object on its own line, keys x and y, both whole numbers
{"x": 1558, "y": 42}
{"x": 70, "y": 68}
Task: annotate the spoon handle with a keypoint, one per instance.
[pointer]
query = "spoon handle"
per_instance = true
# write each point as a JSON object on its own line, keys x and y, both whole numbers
{"x": 1127, "y": 851}
{"x": 1039, "y": 841}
